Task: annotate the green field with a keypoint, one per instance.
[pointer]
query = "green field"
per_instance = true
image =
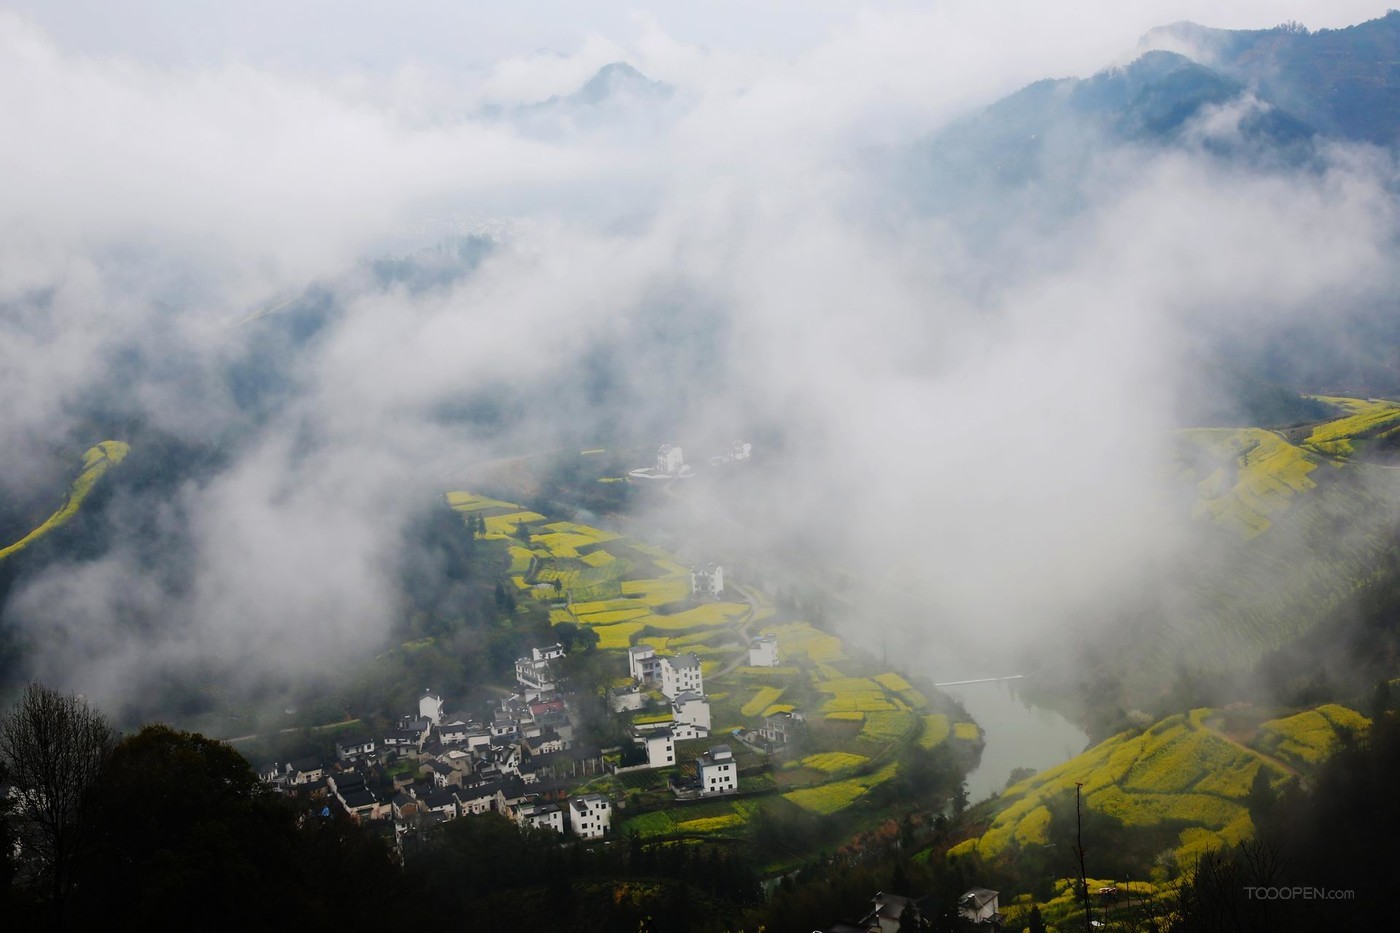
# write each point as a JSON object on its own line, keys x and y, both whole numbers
{"x": 1182, "y": 773}
{"x": 96, "y": 462}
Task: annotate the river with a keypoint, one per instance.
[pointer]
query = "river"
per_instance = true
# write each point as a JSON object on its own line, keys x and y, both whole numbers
{"x": 1018, "y": 735}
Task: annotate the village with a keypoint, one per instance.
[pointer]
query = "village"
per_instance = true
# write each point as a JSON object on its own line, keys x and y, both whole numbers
{"x": 521, "y": 759}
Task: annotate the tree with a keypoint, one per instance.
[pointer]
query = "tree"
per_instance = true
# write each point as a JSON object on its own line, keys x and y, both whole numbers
{"x": 53, "y": 748}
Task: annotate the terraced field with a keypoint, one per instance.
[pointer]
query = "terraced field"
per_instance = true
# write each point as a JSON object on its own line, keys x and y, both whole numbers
{"x": 96, "y": 462}
{"x": 1244, "y": 477}
{"x": 631, "y": 593}
{"x": 1182, "y": 773}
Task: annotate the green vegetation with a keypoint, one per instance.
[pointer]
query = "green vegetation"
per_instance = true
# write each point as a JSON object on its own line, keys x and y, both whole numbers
{"x": 1244, "y": 476}
{"x": 628, "y": 592}
{"x": 96, "y": 462}
{"x": 1183, "y": 782}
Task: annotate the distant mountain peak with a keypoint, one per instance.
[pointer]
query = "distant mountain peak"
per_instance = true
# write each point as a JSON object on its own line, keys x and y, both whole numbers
{"x": 618, "y": 79}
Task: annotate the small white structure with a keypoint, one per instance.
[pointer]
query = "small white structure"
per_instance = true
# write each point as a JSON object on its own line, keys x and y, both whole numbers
{"x": 661, "y": 748}
{"x": 979, "y": 905}
{"x": 707, "y": 580}
{"x": 669, "y": 459}
{"x": 763, "y": 651}
{"x": 738, "y": 452}
{"x": 670, "y": 464}
{"x": 681, "y": 674}
{"x": 691, "y": 708}
{"x": 590, "y": 816}
{"x": 430, "y": 707}
{"x": 718, "y": 772}
{"x": 643, "y": 664}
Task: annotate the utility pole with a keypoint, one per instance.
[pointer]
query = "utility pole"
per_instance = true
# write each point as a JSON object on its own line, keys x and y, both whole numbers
{"x": 1079, "y": 847}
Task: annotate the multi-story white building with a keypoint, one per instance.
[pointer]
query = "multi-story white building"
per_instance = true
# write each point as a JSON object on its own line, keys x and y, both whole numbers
{"x": 430, "y": 707}
{"x": 643, "y": 664}
{"x": 691, "y": 708}
{"x": 538, "y": 815}
{"x": 661, "y": 748}
{"x": 707, "y": 580}
{"x": 590, "y": 816}
{"x": 681, "y": 674}
{"x": 535, "y": 673}
{"x": 718, "y": 771}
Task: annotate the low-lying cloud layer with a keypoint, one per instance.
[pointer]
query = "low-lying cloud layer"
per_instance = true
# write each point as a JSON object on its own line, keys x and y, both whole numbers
{"x": 985, "y": 424}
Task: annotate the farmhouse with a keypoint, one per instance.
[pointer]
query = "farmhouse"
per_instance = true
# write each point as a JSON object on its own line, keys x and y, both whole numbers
{"x": 430, "y": 707}
{"x": 717, "y": 770}
{"x": 782, "y": 726}
{"x": 538, "y": 815}
{"x": 980, "y": 906}
{"x": 763, "y": 651}
{"x": 661, "y": 748}
{"x": 669, "y": 459}
{"x": 305, "y": 770}
{"x": 681, "y": 674}
{"x": 643, "y": 664}
{"x": 534, "y": 673}
{"x": 590, "y": 816}
{"x": 889, "y": 909}
{"x": 355, "y": 748}
{"x": 691, "y": 708}
{"x": 707, "y": 580}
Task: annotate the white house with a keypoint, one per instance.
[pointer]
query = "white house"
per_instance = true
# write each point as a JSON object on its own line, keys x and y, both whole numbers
{"x": 476, "y": 799}
{"x": 691, "y": 708}
{"x": 669, "y": 459}
{"x": 683, "y": 731}
{"x": 661, "y": 748}
{"x": 717, "y": 770}
{"x": 430, "y": 707}
{"x": 351, "y": 749}
{"x": 590, "y": 816}
{"x": 305, "y": 770}
{"x": 534, "y": 674}
{"x": 455, "y": 729}
{"x": 538, "y": 815}
{"x": 643, "y": 664}
{"x": 707, "y": 580}
{"x": 763, "y": 651}
{"x": 681, "y": 674}
{"x": 979, "y": 905}
{"x": 781, "y": 726}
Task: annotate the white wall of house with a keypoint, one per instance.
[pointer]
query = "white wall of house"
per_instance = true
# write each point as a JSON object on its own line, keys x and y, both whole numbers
{"x": 661, "y": 749}
{"x": 763, "y": 651}
{"x": 681, "y": 674}
{"x": 430, "y": 707}
{"x": 590, "y": 816}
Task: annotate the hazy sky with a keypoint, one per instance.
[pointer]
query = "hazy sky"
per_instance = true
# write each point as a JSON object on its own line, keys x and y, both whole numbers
{"x": 167, "y": 167}
{"x": 357, "y": 34}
